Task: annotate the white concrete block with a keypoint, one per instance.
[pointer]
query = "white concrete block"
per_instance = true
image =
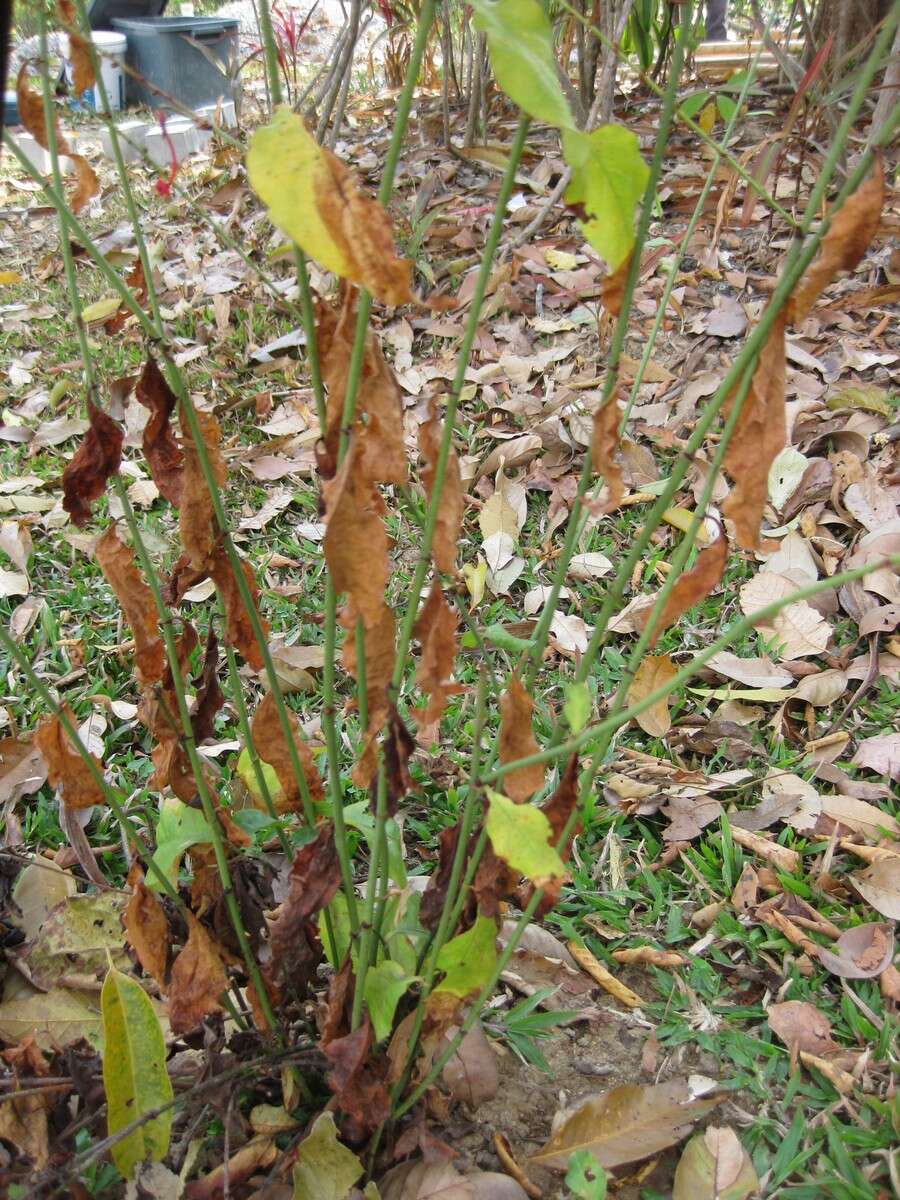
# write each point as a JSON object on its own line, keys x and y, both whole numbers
{"x": 222, "y": 114}
{"x": 182, "y": 137}
{"x": 131, "y": 134}
{"x": 38, "y": 156}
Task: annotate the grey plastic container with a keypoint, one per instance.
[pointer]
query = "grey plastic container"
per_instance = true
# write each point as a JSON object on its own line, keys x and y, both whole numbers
{"x": 190, "y": 61}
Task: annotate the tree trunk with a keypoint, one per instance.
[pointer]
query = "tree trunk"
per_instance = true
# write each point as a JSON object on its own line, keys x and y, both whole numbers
{"x": 851, "y": 21}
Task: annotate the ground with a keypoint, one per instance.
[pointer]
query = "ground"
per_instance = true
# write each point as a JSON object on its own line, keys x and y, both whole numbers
{"x": 667, "y": 858}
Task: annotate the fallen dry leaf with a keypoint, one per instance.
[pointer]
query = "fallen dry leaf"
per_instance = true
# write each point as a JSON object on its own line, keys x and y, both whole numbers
{"x": 714, "y": 1166}
{"x": 593, "y": 967}
{"x": 861, "y": 952}
{"x": 626, "y": 1124}
{"x": 881, "y": 754}
{"x": 801, "y": 1026}
{"x": 652, "y": 673}
{"x": 691, "y": 587}
{"x": 879, "y": 885}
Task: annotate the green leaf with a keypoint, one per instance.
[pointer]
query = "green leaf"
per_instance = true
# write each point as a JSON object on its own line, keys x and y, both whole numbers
{"x": 134, "y": 1072}
{"x": 608, "y": 180}
{"x": 358, "y": 816}
{"x": 520, "y": 835}
{"x": 867, "y": 396}
{"x": 691, "y": 105}
{"x": 100, "y": 310}
{"x": 520, "y": 41}
{"x": 324, "y": 1170}
{"x": 247, "y": 775}
{"x": 340, "y": 924}
{"x": 386, "y": 984}
{"x": 468, "y": 960}
{"x": 179, "y": 828}
{"x": 503, "y": 640}
{"x": 585, "y": 1178}
{"x": 577, "y": 706}
{"x": 726, "y": 106}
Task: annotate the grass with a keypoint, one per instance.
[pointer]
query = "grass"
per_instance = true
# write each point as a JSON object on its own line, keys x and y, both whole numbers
{"x": 807, "y": 1141}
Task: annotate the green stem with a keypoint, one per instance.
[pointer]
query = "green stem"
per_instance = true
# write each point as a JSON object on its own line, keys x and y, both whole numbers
{"x": 542, "y": 631}
{"x": 423, "y": 564}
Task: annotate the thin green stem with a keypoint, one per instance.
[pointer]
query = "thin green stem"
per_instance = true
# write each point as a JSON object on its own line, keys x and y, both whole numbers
{"x": 610, "y": 380}
{"x": 423, "y": 564}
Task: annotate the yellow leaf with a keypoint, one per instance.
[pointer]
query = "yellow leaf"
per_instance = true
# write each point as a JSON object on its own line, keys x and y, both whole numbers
{"x": 560, "y": 260}
{"x": 653, "y": 672}
{"x": 707, "y": 118}
{"x": 314, "y": 199}
{"x": 520, "y": 835}
{"x": 100, "y": 310}
{"x": 134, "y": 1072}
{"x": 681, "y": 518}
{"x": 10, "y": 277}
{"x": 475, "y": 575}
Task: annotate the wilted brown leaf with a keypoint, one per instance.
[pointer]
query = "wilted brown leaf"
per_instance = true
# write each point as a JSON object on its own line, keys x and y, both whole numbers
{"x": 355, "y": 539}
{"x": 379, "y": 643}
{"x": 137, "y": 285}
{"x": 271, "y": 746}
{"x": 78, "y": 55}
{"x": 471, "y": 1075}
{"x": 146, "y": 927}
{"x": 843, "y": 246}
{"x": 196, "y": 518}
{"x": 612, "y": 289}
{"x": 435, "y": 628}
{"x": 66, "y": 769}
{"x": 759, "y": 436}
{"x": 358, "y": 1083}
{"x": 31, "y": 114}
{"x": 209, "y": 694}
{"x": 604, "y": 444}
{"x": 692, "y": 587}
{"x": 652, "y": 673}
{"x": 450, "y": 510}
{"x": 378, "y": 421}
{"x": 315, "y": 877}
{"x": 23, "y": 770}
{"x": 96, "y": 459}
{"x": 517, "y": 741}
{"x": 162, "y": 452}
{"x": 626, "y": 1124}
{"x": 399, "y": 745}
{"x": 198, "y": 980}
{"x": 238, "y": 628}
{"x": 558, "y": 809}
{"x": 118, "y": 565}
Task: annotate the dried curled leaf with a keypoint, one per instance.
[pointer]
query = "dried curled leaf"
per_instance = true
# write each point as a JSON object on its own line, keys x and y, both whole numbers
{"x": 197, "y": 517}
{"x": 314, "y": 879}
{"x": 118, "y": 565}
{"x": 162, "y": 452}
{"x": 238, "y": 626}
{"x": 558, "y": 811}
{"x": 146, "y": 927}
{"x": 379, "y": 646}
{"x": 79, "y": 57}
{"x": 692, "y": 587}
{"x": 517, "y": 741}
{"x": 758, "y": 438}
{"x": 356, "y": 1081}
{"x": 66, "y": 769}
{"x": 450, "y": 510}
{"x": 96, "y": 459}
{"x": 209, "y": 694}
{"x": 314, "y": 198}
{"x": 843, "y": 246}
{"x": 378, "y": 419}
{"x": 272, "y": 747}
{"x": 198, "y": 980}
{"x": 435, "y": 628}
{"x": 604, "y": 443}
{"x": 31, "y": 114}
{"x": 355, "y": 539}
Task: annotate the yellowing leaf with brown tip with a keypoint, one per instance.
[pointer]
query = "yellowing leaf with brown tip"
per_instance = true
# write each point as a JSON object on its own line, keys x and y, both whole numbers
{"x": 315, "y": 200}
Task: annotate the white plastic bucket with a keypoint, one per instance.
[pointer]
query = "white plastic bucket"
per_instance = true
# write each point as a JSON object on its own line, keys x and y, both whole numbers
{"x": 111, "y": 49}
